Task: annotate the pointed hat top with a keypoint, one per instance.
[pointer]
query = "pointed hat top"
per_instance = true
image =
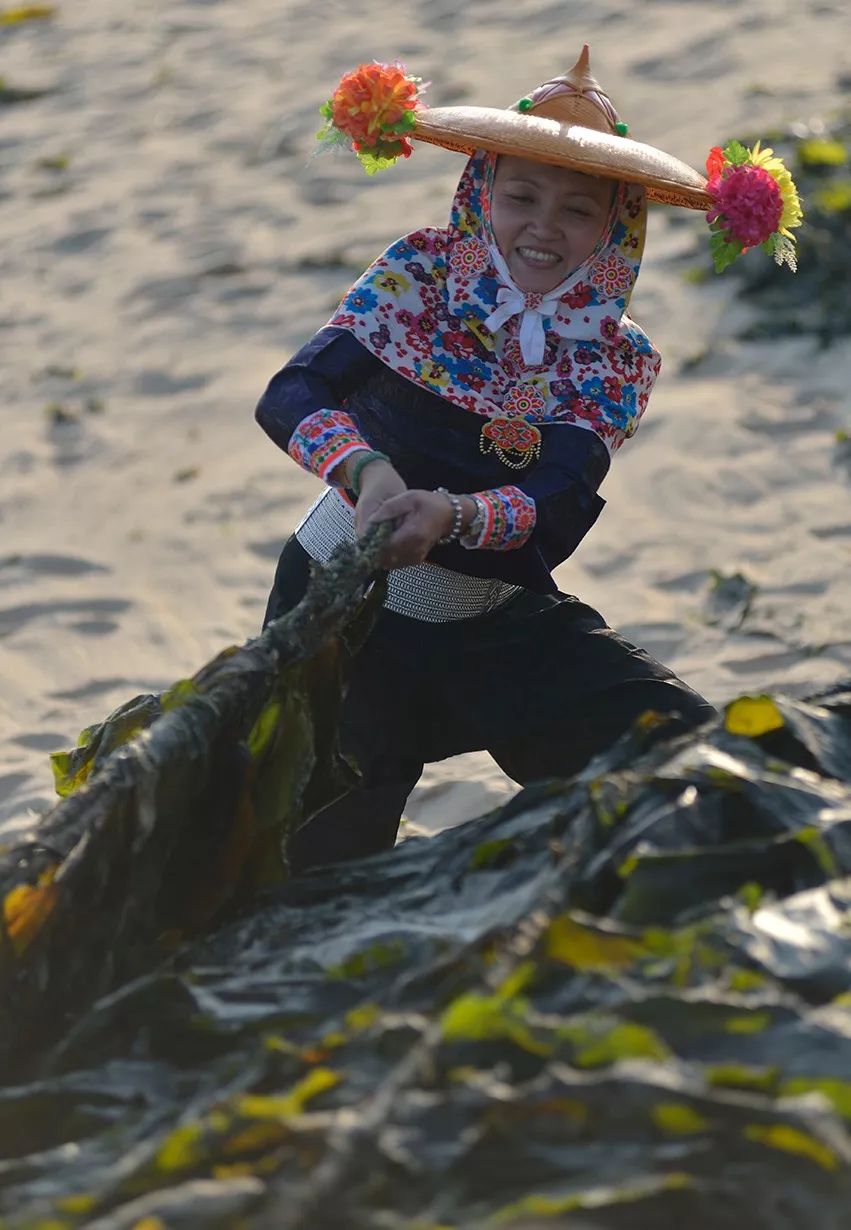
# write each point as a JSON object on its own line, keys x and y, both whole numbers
{"x": 575, "y": 98}
{"x": 580, "y": 75}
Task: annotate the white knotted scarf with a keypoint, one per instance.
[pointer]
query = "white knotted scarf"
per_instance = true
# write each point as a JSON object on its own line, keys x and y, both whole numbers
{"x": 511, "y": 301}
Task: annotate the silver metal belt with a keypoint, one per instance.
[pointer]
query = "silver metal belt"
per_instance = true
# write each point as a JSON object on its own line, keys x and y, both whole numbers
{"x": 422, "y": 591}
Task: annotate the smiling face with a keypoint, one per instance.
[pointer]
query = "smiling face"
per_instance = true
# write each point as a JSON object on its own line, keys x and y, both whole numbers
{"x": 546, "y": 220}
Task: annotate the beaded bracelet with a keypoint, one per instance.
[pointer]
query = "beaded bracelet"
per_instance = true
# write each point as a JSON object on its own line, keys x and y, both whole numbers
{"x": 476, "y": 526}
{"x": 360, "y": 465}
{"x": 455, "y": 533}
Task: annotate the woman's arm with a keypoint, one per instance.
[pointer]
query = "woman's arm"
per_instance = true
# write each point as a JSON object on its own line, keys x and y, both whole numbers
{"x": 552, "y": 507}
{"x": 301, "y": 409}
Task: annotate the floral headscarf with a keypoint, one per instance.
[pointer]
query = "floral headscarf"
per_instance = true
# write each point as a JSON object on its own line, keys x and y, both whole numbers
{"x": 439, "y": 307}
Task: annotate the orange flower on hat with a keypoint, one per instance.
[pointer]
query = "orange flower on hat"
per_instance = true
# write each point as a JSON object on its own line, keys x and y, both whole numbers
{"x": 372, "y": 100}
{"x": 372, "y": 112}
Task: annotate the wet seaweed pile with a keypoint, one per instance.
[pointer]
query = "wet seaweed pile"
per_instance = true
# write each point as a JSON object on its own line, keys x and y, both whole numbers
{"x": 177, "y": 807}
{"x": 816, "y": 299}
{"x": 617, "y": 1002}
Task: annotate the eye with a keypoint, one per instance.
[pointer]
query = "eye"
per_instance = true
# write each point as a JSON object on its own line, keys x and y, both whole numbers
{"x": 523, "y": 200}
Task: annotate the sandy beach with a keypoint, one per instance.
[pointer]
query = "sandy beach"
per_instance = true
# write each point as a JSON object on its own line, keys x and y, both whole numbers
{"x": 168, "y": 242}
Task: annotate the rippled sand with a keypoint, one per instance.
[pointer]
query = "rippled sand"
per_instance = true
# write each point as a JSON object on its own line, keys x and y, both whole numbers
{"x": 167, "y": 244}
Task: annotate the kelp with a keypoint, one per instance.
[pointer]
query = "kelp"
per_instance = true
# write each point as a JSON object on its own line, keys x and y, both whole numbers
{"x": 621, "y": 1000}
{"x": 176, "y": 807}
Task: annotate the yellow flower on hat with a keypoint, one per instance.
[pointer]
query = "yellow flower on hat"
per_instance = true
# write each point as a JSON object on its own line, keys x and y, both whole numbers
{"x": 792, "y": 213}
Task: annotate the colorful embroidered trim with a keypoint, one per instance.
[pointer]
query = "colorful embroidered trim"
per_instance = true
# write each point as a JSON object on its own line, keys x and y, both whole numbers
{"x": 324, "y": 439}
{"x": 510, "y": 517}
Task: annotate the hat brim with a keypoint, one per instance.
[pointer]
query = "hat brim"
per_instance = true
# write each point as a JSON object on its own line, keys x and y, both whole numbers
{"x": 467, "y": 129}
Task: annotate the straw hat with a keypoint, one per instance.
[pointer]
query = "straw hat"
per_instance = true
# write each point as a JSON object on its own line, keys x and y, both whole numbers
{"x": 571, "y": 122}
{"x": 750, "y": 199}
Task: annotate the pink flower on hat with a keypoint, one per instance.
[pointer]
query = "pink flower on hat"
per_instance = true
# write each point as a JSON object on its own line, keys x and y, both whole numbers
{"x": 750, "y": 201}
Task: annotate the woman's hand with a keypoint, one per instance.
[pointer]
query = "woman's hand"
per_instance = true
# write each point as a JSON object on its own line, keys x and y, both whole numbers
{"x": 379, "y": 483}
{"x": 423, "y": 516}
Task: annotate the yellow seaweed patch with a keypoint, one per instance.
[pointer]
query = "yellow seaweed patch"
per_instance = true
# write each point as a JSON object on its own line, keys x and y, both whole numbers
{"x": 487, "y": 853}
{"x": 837, "y": 1092}
{"x": 627, "y": 867}
{"x": 747, "y": 1023}
{"x": 181, "y": 1150}
{"x": 264, "y": 1134}
{"x": 687, "y": 946}
{"x": 481, "y": 1018}
{"x": 587, "y": 948}
{"x": 81, "y": 1202}
{"x": 65, "y": 780}
{"x": 599, "y": 793}
{"x": 599, "y": 1043}
{"x": 27, "y": 908}
{"x": 792, "y": 1140}
{"x": 335, "y": 1038}
{"x": 678, "y": 1119}
{"x": 745, "y": 980}
{"x": 461, "y": 1074}
{"x": 753, "y": 716}
{"x": 750, "y": 895}
{"x": 517, "y": 981}
{"x": 362, "y": 1017}
{"x": 538, "y": 1206}
{"x": 592, "y": 1198}
{"x": 261, "y": 1106}
{"x": 813, "y": 839}
{"x": 743, "y": 1076}
{"x": 264, "y": 729}
{"x": 282, "y": 1046}
{"x": 378, "y": 956}
{"x": 179, "y": 694}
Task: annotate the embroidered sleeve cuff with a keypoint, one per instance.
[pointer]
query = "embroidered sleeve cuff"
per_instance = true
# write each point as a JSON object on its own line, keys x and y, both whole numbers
{"x": 324, "y": 439}
{"x": 510, "y": 517}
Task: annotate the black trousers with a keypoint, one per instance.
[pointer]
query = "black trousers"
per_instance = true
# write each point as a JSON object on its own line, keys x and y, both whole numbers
{"x": 543, "y": 684}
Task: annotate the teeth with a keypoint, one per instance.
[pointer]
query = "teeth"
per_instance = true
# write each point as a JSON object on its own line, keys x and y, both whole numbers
{"x": 541, "y": 258}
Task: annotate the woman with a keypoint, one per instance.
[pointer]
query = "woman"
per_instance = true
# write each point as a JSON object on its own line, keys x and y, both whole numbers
{"x": 472, "y": 388}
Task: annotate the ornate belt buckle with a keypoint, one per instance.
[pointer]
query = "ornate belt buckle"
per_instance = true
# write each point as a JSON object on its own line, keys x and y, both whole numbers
{"x": 516, "y": 443}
